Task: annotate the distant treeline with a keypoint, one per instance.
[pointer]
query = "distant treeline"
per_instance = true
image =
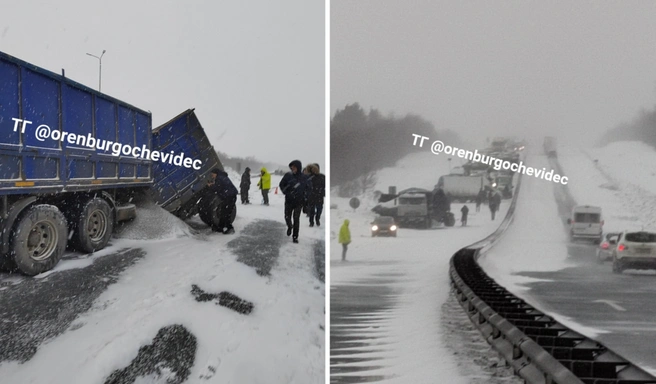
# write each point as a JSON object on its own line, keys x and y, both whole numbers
{"x": 240, "y": 163}
{"x": 642, "y": 128}
{"x": 362, "y": 142}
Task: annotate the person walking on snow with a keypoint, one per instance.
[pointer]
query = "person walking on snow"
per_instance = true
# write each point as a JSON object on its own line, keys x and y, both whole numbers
{"x": 227, "y": 192}
{"x": 245, "y": 185}
{"x": 344, "y": 238}
{"x": 494, "y": 202}
{"x": 315, "y": 204}
{"x": 479, "y": 199}
{"x": 296, "y": 187}
{"x": 264, "y": 184}
{"x": 465, "y": 211}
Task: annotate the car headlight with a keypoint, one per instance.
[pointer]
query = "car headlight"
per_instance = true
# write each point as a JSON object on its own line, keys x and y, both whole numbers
{"x": 393, "y": 228}
{"x": 374, "y": 228}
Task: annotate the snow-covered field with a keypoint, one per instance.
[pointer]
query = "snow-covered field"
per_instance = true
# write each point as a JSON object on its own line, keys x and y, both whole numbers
{"x": 281, "y": 341}
{"x": 423, "y": 324}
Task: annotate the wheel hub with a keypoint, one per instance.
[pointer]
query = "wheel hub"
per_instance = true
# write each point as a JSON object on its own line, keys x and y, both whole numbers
{"x": 42, "y": 241}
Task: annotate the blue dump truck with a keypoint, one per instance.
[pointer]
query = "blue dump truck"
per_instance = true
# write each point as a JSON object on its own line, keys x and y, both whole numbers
{"x": 72, "y": 160}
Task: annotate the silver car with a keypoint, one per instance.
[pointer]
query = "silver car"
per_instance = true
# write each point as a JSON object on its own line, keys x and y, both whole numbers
{"x": 636, "y": 250}
{"x": 606, "y": 247}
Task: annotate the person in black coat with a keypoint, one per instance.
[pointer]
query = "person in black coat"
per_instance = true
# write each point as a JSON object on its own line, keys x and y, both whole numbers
{"x": 480, "y": 198}
{"x": 464, "y": 210}
{"x": 296, "y": 187}
{"x": 494, "y": 202}
{"x": 315, "y": 203}
{"x": 245, "y": 185}
{"x": 227, "y": 192}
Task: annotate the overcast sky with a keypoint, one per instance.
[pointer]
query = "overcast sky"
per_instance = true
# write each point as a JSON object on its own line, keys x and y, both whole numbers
{"x": 569, "y": 68}
{"x": 254, "y": 70}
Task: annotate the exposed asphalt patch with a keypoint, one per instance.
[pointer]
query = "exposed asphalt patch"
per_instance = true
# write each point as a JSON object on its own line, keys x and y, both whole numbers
{"x": 259, "y": 245}
{"x": 319, "y": 248}
{"x": 226, "y": 299}
{"x": 170, "y": 357}
{"x": 39, "y": 309}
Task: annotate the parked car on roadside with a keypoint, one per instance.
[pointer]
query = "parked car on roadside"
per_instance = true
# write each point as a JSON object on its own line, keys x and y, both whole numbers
{"x": 635, "y": 250}
{"x": 606, "y": 247}
{"x": 383, "y": 226}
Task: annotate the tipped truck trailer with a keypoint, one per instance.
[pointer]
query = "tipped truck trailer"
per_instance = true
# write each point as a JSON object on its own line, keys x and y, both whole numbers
{"x": 183, "y": 190}
{"x": 73, "y": 191}
{"x": 48, "y": 187}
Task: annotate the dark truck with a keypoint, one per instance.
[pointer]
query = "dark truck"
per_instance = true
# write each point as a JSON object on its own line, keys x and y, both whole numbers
{"x": 415, "y": 207}
{"x": 57, "y": 192}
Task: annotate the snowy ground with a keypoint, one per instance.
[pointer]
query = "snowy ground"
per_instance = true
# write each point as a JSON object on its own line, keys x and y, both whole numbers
{"x": 280, "y": 341}
{"x": 420, "y": 336}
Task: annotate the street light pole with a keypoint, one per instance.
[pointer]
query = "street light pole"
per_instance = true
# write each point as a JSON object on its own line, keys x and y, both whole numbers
{"x": 100, "y": 67}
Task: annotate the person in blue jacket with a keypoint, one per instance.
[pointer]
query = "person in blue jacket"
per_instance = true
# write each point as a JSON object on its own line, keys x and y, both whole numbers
{"x": 226, "y": 190}
{"x": 296, "y": 187}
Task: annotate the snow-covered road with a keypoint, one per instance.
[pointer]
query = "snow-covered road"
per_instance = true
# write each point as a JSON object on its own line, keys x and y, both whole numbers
{"x": 280, "y": 341}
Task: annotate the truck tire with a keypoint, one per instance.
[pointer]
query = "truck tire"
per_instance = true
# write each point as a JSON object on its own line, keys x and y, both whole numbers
{"x": 38, "y": 239}
{"x": 449, "y": 220}
{"x": 208, "y": 210}
{"x": 93, "y": 225}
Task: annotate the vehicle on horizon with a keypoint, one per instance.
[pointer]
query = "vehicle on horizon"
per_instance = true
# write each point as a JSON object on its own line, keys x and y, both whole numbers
{"x": 586, "y": 223}
{"x": 550, "y": 146}
{"x": 635, "y": 250}
{"x": 383, "y": 226}
{"x": 606, "y": 247}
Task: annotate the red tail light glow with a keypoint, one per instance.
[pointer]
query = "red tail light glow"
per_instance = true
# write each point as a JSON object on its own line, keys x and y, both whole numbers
{"x": 622, "y": 247}
{"x": 604, "y": 245}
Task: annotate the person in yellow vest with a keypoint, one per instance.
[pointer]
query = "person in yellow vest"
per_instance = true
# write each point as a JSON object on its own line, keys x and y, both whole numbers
{"x": 344, "y": 238}
{"x": 265, "y": 184}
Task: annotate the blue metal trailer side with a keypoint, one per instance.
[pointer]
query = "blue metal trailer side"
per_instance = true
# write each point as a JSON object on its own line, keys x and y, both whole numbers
{"x": 64, "y": 180}
{"x": 179, "y": 189}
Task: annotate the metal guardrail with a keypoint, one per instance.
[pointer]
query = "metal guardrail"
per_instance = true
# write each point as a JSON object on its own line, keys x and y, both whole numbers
{"x": 540, "y": 350}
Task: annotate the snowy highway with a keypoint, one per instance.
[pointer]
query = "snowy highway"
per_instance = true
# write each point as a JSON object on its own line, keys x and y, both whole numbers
{"x": 563, "y": 278}
{"x": 172, "y": 301}
{"x": 392, "y": 317}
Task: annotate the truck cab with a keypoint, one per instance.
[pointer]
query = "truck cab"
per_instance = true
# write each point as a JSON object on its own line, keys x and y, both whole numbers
{"x": 412, "y": 209}
{"x": 586, "y": 223}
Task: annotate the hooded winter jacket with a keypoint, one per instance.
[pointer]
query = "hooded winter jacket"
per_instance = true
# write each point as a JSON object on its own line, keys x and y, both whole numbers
{"x": 223, "y": 187}
{"x": 265, "y": 179}
{"x": 344, "y": 233}
{"x": 296, "y": 186}
{"x": 318, "y": 185}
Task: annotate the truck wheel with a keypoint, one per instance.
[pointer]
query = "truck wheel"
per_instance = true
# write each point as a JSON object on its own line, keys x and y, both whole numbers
{"x": 93, "y": 226}
{"x": 233, "y": 216}
{"x": 38, "y": 239}
{"x": 209, "y": 210}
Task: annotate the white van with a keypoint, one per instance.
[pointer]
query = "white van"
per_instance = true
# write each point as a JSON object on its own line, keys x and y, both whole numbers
{"x": 586, "y": 223}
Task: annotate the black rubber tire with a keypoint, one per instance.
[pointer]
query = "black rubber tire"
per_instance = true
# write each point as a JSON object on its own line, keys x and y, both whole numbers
{"x": 93, "y": 225}
{"x": 449, "y": 220}
{"x": 210, "y": 210}
{"x": 617, "y": 266}
{"x": 40, "y": 226}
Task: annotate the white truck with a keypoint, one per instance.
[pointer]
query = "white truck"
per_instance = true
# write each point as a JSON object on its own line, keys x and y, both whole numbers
{"x": 462, "y": 188}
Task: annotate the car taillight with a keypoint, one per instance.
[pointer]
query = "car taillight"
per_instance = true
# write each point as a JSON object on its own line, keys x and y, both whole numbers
{"x": 604, "y": 245}
{"x": 622, "y": 247}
